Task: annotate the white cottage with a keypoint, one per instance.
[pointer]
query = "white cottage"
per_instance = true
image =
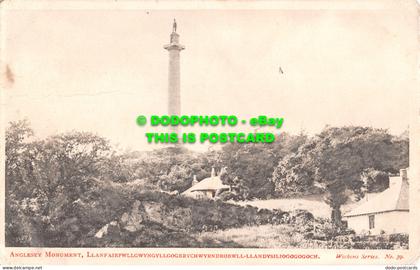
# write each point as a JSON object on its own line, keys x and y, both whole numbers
{"x": 209, "y": 187}
{"x": 386, "y": 212}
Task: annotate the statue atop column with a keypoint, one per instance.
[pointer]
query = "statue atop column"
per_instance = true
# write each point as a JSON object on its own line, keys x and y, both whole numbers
{"x": 174, "y": 26}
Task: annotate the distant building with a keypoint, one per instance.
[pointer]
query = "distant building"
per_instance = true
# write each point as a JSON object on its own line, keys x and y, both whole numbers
{"x": 209, "y": 188}
{"x": 386, "y": 212}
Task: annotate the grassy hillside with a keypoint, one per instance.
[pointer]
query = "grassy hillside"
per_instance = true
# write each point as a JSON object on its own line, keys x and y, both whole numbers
{"x": 313, "y": 204}
{"x": 289, "y": 236}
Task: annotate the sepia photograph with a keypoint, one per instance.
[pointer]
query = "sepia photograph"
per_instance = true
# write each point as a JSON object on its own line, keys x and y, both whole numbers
{"x": 232, "y": 126}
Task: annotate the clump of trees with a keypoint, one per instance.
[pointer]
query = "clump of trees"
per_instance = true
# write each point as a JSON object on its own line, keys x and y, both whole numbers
{"x": 49, "y": 180}
{"x": 249, "y": 167}
{"x": 46, "y": 180}
{"x": 343, "y": 159}
{"x": 171, "y": 168}
{"x": 61, "y": 190}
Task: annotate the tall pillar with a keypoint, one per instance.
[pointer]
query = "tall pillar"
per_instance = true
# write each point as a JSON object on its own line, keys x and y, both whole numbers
{"x": 174, "y": 88}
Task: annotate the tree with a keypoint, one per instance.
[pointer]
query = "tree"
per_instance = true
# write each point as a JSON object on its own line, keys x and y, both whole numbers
{"x": 176, "y": 179}
{"x": 374, "y": 180}
{"x": 18, "y": 175}
{"x": 336, "y": 158}
{"x": 66, "y": 164}
{"x": 172, "y": 168}
{"x": 292, "y": 177}
{"x": 249, "y": 167}
{"x": 43, "y": 180}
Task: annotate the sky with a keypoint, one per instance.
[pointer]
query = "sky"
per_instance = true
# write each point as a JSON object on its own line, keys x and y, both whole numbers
{"x": 97, "y": 69}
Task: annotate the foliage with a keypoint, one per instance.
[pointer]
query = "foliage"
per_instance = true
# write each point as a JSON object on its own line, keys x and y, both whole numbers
{"x": 172, "y": 168}
{"x": 249, "y": 167}
{"x": 291, "y": 177}
{"x": 335, "y": 160}
{"x": 44, "y": 178}
{"x": 176, "y": 178}
{"x": 62, "y": 189}
{"x": 315, "y": 234}
{"x": 374, "y": 180}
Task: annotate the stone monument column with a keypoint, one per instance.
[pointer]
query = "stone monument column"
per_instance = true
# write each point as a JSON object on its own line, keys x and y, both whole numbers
{"x": 174, "y": 89}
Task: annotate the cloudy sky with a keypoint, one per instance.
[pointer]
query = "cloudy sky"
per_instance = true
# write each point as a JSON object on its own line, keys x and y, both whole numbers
{"x": 97, "y": 69}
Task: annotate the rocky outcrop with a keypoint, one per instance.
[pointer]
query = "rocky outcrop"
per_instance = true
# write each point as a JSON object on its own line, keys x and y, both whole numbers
{"x": 178, "y": 219}
{"x": 159, "y": 219}
{"x": 150, "y": 212}
{"x": 155, "y": 211}
{"x": 133, "y": 221}
{"x": 104, "y": 230}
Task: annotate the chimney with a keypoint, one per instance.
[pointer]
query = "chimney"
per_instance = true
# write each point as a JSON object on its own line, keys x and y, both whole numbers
{"x": 396, "y": 181}
{"x": 213, "y": 174}
{"x": 403, "y": 174}
{"x": 194, "y": 181}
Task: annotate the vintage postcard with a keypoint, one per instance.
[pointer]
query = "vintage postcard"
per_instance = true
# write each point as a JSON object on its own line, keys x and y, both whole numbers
{"x": 209, "y": 132}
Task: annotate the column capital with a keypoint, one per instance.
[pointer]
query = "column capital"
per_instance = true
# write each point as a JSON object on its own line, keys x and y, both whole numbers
{"x": 174, "y": 46}
{"x": 174, "y": 43}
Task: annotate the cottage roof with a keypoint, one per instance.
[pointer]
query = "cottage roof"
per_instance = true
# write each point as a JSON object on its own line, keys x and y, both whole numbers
{"x": 210, "y": 183}
{"x": 393, "y": 198}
